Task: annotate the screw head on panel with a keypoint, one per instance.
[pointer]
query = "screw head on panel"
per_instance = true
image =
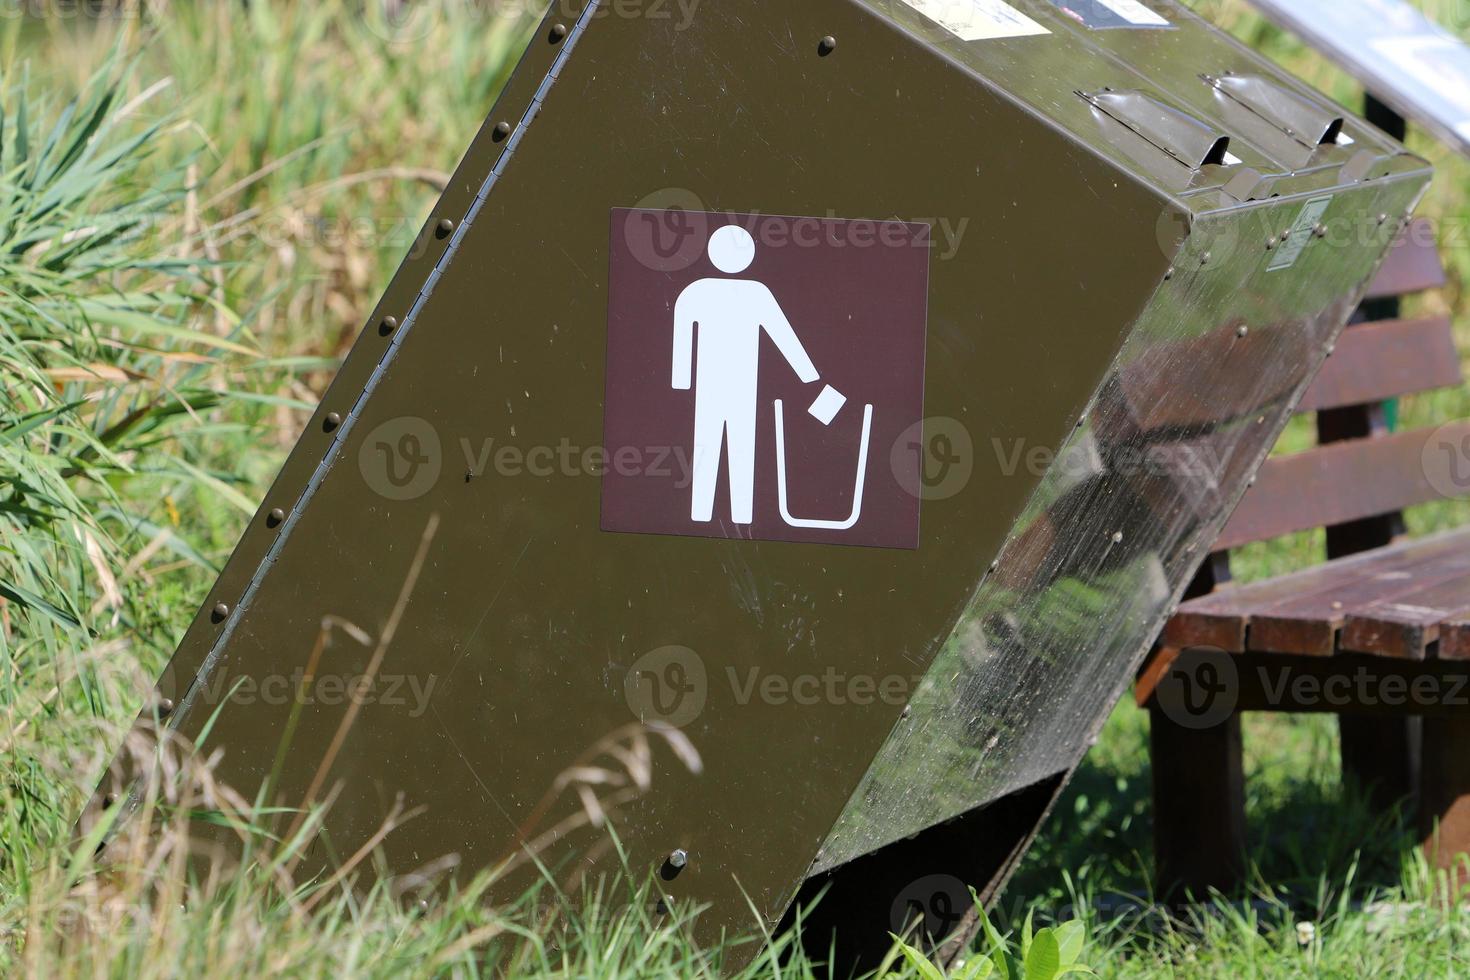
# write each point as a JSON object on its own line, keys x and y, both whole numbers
{"x": 331, "y": 422}
{"x": 500, "y": 132}
{"x": 219, "y": 613}
{"x": 275, "y": 518}
{"x": 387, "y": 325}
{"x": 826, "y": 45}
{"x": 558, "y": 33}
{"x": 444, "y": 228}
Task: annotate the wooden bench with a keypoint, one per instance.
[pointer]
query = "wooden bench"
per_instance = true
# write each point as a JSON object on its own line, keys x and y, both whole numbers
{"x": 1380, "y": 616}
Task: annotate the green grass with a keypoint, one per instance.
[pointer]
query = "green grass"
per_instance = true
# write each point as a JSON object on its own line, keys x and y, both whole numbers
{"x": 186, "y": 251}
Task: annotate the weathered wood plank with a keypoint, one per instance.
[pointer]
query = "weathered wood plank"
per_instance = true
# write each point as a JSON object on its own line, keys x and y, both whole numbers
{"x": 1406, "y": 624}
{"x": 1346, "y": 481}
{"x": 1384, "y": 359}
{"x": 1221, "y": 619}
{"x": 1412, "y": 266}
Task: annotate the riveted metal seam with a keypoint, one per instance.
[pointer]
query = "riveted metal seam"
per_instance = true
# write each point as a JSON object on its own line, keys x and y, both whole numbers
{"x": 333, "y": 451}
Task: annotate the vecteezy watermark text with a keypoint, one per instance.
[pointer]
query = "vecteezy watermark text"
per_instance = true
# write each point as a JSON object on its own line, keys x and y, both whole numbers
{"x": 673, "y": 685}
{"x": 411, "y": 691}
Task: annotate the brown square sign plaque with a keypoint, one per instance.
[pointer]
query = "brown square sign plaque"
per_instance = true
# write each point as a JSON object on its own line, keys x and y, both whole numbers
{"x": 765, "y": 377}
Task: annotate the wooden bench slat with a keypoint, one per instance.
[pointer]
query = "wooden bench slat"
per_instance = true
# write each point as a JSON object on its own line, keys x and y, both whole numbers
{"x": 1405, "y": 625}
{"x": 1384, "y": 359}
{"x": 1342, "y": 482}
{"x": 1412, "y": 266}
{"x": 1221, "y": 618}
{"x": 1304, "y": 626}
{"x": 1454, "y": 638}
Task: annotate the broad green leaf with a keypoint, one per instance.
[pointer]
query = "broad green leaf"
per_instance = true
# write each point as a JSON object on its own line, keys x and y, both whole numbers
{"x": 1071, "y": 936}
{"x": 1043, "y": 957}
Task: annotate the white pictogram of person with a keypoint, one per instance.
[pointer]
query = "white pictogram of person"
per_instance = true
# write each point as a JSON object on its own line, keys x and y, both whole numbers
{"x": 724, "y": 318}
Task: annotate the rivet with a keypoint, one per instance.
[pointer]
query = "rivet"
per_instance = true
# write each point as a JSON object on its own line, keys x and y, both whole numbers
{"x": 679, "y": 858}
{"x": 1117, "y": 537}
{"x": 165, "y": 707}
{"x": 1320, "y": 231}
{"x": 275, "y": 518}
{"x": 1252, "y": 482}
{"x": 995, "y": 565}
{"x": 219, "y": 612}
{"x": 387, "y": 325}
{"x": 331, "y": 421}
{"x": 445, "y": 228}
{"x": 1081, "y": 420}
{"x": 502, "y": 130}
{"x": 1204, "y": 259}
{"x": 1286, "y": 234}
{"x": 827, "y": 45}
{"x": 1169, "y": 273}
{"x": 1382, "y": 218}
{"x": 1331, "y": 349}
{"x": 1270, "y": 244}
{"x": 558, "y": 33}
{"x": 908, "y": 709}
{"x": 1242, "y": 330}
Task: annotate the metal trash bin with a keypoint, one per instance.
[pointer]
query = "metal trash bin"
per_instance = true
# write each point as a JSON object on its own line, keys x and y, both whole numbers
{"x": 1051, "y": 276}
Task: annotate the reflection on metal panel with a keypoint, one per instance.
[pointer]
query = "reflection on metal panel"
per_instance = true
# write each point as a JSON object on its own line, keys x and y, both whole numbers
{"x": 1196, "y": 398}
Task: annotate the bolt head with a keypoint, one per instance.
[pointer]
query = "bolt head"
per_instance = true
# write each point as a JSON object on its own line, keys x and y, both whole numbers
{"x": 1242, "y": 330}
{"x": 558, "y": 33}
{"x": 275, "y": 518}
{"x": 501, "y": 131}
{"x": 387, "y": 325}
{"x": 220, "y": 612}
{"x": 164, "y": 707}
{"x": 332, "y": 421}
{"x": 827, "y": 45}
{"x": 444, "y": 228}
{"x": 678, "y": 858}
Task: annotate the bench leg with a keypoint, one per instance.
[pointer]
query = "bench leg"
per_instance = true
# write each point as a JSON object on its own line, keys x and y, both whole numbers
{"x": 1199, "y": 806}
{"x": 1444, "y": 795}
{"x": 1380, "y": 756}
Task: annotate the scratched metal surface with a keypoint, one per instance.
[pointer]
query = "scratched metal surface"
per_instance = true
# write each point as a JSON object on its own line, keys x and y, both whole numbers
{"x": 1196, "y": 398}
{"x": 527, "y": 618}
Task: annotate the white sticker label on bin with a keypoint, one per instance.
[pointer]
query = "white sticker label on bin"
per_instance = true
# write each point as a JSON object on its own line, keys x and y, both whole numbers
{"x": 1135, "y": 12}
{"x": 1302, "y": 232}
{"x": 978, "y": 20}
